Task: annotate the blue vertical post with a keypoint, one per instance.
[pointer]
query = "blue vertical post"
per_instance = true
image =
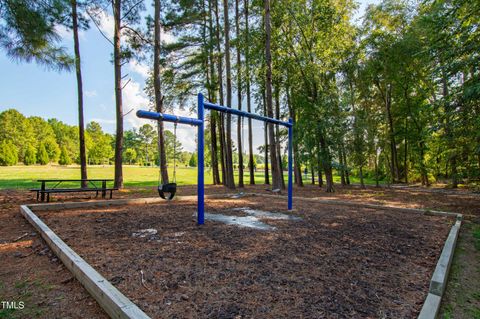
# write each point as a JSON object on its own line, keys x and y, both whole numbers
{"x": 200, "y": 178}
{"x": 290, "y": 165}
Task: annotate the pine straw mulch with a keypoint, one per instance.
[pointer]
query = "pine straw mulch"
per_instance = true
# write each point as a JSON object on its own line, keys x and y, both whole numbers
{"x": 338, "y": 262}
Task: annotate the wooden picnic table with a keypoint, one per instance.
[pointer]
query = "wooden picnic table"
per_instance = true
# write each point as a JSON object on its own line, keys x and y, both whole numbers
{"x": 91, "y": 187}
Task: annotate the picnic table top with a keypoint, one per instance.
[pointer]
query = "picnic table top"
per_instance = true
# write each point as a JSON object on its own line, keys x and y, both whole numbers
{"x": 76, "y": 180}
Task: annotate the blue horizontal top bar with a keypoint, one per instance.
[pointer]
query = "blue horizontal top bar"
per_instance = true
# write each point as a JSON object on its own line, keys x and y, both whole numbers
{"x": 168, "y": 118}
{"x": 221, "y": 108}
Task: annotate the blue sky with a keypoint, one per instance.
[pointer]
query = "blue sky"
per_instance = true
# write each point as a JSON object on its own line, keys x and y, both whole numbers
{"x": 35, "y": 91}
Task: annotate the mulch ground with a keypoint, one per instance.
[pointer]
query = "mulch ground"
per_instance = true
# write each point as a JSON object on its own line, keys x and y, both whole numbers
{"x": 337, "y": 262}
{"x": 346, "y": 247}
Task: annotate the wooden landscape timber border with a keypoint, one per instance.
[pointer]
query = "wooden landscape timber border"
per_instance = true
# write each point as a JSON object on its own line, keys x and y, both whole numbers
{"x": 115, "y": 304}
{"x": 118, "y": 306}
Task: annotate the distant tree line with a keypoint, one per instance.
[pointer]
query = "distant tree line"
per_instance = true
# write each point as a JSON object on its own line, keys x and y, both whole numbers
{"x": 34, "y": 140}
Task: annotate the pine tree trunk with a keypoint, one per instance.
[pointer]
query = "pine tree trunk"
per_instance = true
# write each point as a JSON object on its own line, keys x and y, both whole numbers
{"x": 249, "y": 107}
{"x": 157, "y": 86}
{"x": 221, "y": 126}
{"x": 276, "y": 177}
{"x": 312, "y": 170}
{"x": 228, "y": 126}
{"x": 362, "y": 182}
{"x": 393, "y": 145}
{"x": 277, "y": 135}
{"x": 342, "y": 168}
{"x": 78, "y": 71}
{"x": 405, "y": 154}
{"x": 212, "y": 97}
{"x": 296, "y": 161}
{"x": 326, "y": 163}
{"x": 239, "y": 96}
{"x": 118, "y": 94}
{"x": 347, "y": 174}
{"x": 214, "y": 150}
{"x": 449, "y": 134}
{"x": 265, "y": 131}
{"x": 319, "y": 172}
{"x": 221, "y": 129}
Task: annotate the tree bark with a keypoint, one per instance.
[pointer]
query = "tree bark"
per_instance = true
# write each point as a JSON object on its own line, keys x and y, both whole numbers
{"x": 405, "y": 154}
{"x": 326, "y": 163}
{"x": 296, "y": 162}
{"x": 277, "y": 134}
{"x": 239, "y": 96}
{"x": 377, "y": 184}
{"x": 221, "y": 124}
{"x": 157, "y": 86}
{"x": 265, "y": 131}
{"x": 449, "y": 133}
{"x": 347, "y": 174}
{"x": 78, "y": 71}
{"x": 312, "y": 170}
{"x": 342, "y": 168}
{"x": 393, "y": 145}
{"x": 228, "y": 129}
{"x": 213, "y": 114}
{"x": 276, "y": 177}
{"x": 118, "y": 93}
{"x": 362, "y": 182}
{"x": 249, "y": 107}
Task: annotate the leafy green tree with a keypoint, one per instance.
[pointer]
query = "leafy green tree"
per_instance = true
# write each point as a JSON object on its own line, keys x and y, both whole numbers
{"x": 130, "y": 155}
{"x": 28, "y": 32}
{"x": 42, "y": 156}
{"x": 100, "y": 148}
{"x": 45, "y": 135}
{"x": 64, "y": 157}
{"x": 17, "y": 129}
{"x": 30, "y": 157}
{"x": 8, "y": 153}
{"x": 67, "y": 136}
{"x": 147, "y": 135}
{"x": 193, "y": 160}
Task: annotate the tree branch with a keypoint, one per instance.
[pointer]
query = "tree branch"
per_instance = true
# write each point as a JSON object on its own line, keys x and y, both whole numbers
{"x": 138, "y": 34}
{"x": 98, "y": 27}
{"x": 130, "y": 9}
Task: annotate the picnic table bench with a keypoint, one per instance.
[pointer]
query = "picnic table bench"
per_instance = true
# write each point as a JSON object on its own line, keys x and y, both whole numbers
{"x": 92, "y": 186}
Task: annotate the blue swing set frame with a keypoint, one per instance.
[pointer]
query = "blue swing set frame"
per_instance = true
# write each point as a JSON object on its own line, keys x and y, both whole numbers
{"x": 199, "y": 123}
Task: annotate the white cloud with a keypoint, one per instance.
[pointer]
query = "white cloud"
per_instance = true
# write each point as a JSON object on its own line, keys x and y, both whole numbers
{"x": 167, "y": 36}
{"x": 66, "y": 33}
{"x": 106, "y": 24}
{"x": 134, "y": 99}
{"x": 90, "y": 93}
{"x": 140, "y": 68}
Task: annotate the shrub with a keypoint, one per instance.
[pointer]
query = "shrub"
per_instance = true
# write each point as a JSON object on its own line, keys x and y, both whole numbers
{"x": 8, "y": 153}
{"x": 193, "y": 160}
{"x": 30, "y": 157}
{"x": 64, "y": 158}
{"x": 42, "y": 156}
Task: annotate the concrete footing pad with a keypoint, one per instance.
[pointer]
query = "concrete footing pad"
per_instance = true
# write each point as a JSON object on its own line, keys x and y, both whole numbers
{"x": 252, "y": 220}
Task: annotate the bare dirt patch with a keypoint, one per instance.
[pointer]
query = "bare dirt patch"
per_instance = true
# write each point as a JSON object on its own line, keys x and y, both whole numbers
{"x": 337, "y": 262}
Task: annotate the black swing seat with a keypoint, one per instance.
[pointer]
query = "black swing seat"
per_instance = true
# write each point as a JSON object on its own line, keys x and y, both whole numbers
{"x": 169, "y": 188}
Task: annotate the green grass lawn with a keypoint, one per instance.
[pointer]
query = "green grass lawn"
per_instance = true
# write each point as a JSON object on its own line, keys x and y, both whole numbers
{"x": 26, "y": 176}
